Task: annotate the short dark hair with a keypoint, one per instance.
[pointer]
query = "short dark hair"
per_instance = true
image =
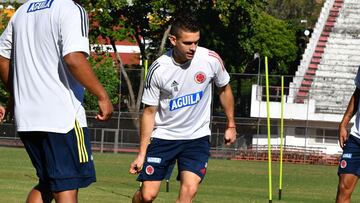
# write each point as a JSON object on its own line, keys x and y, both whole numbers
{"x": 185, "y": 23}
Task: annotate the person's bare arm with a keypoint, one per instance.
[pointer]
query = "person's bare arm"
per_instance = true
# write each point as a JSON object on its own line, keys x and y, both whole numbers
{"x": 81, "y": 70}
{"x": 5, "y": 71}
{"x": 227, "y": 102}
{"x": 6, "y": 79}
{"x": 146, "y": 127}
{"x": 349, "y": 113}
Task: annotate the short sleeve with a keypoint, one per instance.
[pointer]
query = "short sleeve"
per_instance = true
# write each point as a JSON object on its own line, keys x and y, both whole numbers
{"x": 74, "y": 30}
{"x": 6, "y": 41}
{"x": 151, "y": 94}
{"x": 222, "y": 77}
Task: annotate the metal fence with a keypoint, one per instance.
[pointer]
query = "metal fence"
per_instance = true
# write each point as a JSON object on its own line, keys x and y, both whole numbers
{"x": 120, "y": 133}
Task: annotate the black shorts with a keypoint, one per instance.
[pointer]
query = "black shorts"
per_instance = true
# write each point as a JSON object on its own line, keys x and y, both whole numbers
{"x": 62, "y": 161}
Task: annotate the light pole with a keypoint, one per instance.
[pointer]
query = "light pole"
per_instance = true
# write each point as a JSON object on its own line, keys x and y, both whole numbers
{"x": 306, "y": 31}
{"x": 257, "y": 56}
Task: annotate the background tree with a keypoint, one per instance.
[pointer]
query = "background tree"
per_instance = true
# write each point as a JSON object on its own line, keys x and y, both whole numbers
{"x": 295, "y": 10}
{"x": 300, "y": 15}
{"x": 103, "y": 66}
{"x": 275, "y": 39}
{"x": 109, "y": 23}
{"x": 235, "y": 29}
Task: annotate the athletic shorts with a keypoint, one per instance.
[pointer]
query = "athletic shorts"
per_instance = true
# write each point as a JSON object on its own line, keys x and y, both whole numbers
{"x": 62, "y": 161}
{"x": 161, "y": 155}
{"x": 350, "y": 159}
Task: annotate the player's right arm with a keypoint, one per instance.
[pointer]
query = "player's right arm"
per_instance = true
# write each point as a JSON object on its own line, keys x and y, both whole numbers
{"x": 150, "y": 98}
{"x": 349, "y": 113}
{"x": 147, "y": 123}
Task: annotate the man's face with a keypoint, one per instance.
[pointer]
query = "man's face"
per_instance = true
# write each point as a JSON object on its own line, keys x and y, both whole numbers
{"x": 185, "y": 45}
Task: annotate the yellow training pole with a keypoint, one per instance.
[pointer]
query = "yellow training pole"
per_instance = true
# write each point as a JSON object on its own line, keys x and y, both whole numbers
{"x": 281, "y": 135}
{"x": 146, "y": 66}
{"x": 268, "y": 125}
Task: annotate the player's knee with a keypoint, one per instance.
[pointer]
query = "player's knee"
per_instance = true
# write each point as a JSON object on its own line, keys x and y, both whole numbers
{"x": 147, "y": 197}
{"x": 189, "y": 190}
{"x": 345, "y": 189}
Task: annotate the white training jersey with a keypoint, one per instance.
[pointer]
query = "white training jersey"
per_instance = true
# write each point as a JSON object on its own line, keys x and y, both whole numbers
{"x": 38, "y": 36}
{"x": 355, "y": 129}
{"x": 183, "y": 94}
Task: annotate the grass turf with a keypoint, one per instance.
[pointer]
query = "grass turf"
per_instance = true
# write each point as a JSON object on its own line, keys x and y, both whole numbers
{"x": 226, "y": 181}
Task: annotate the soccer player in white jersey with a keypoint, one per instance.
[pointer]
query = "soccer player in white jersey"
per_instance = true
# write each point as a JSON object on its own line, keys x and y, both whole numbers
{"x": 175, "y": 124}
{"x": 47, "y": 44}
{"x": 349, "y": 165}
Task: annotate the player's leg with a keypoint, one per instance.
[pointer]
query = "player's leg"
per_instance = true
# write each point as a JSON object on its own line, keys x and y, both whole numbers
{"x": 45, "y": 196}
{"x": 189, "y": 183}
{"x": 32, "y": 142}
{"x": 347, "y": 183}
{"x": 147, "y": 192}
{"x": 160, "y": 155}
{"x": 63, "y": 162}
{"x": 68, "y": 196}
{"x": 192, "y": 164}
{"x": 70, "y": 165}
{"x": 349, "y": 169}
{"x": 39, "y": 195}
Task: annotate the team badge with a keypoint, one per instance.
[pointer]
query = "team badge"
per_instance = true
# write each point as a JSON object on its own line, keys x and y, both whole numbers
{"x": 149, "y": 170}
{"x": 343, "y": 164}
{"x": 200, "y": 77}
{"x": 203, "y": 171}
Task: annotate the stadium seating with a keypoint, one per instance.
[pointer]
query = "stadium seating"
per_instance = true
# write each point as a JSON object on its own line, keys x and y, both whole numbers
{"x": 328, "y": 78}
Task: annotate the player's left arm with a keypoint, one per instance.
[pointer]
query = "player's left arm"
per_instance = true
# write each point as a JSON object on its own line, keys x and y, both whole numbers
{"x": 221, "y": 80}
{"x": 227, "y": 102}
{"x": 5, "y": 68}
{"x": 6, "y": 46}
{"x": 4, "y": 76}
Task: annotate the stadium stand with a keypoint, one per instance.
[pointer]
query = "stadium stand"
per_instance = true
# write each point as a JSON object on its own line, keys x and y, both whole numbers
{"x": 329, "y": 76}
{"x": 314, "y": 51}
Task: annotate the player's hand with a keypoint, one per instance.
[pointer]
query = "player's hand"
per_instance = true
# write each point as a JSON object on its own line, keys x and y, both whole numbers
{"x": 230, "y": 136}
{"x": 9, "y": 112}
{"x": 136, "y": 165}
{"x": 105, "y": 109}
{"x": 343, "y": 136}
{"x": 2, "y": 113}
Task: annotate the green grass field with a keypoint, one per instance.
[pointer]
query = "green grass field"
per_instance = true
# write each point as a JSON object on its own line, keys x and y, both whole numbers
{"x": 226, "y": 181}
